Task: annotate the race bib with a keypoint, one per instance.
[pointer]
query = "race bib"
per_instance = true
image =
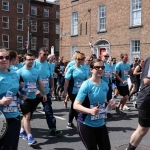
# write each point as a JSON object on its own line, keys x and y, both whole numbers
{"x": 107, "y": 74}
{"x": 45, "y": 82}
{"x": 31, "y": 86}
{"x": 101, "y": 114}
{"x": 12, "y": 107}
{"x": 79, "y": 84}
{"x": 126, "y": 72}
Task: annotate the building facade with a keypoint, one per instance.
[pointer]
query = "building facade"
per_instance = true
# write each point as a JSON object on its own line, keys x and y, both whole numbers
{"x": 29, "y": 20}
{"x": 95, "y": 26}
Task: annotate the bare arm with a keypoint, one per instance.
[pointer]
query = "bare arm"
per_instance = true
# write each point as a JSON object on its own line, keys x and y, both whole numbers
{"x": 136, "y": 71}
{"x": 146, "y": 81}
{"x": 41, "y": 87}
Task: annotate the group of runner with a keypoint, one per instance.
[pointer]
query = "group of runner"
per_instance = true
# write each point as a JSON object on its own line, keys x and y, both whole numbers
{"x": 86, "y": 81}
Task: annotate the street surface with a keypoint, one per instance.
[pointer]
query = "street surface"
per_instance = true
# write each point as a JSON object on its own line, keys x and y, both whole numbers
{"x": 120, "y": 129}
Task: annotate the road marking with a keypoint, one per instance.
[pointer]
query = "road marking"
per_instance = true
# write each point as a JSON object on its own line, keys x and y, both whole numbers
{"x": 54, "y": 116}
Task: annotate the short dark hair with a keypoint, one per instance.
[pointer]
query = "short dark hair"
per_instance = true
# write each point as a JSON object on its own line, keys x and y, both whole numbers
{"x": 28, "y": 54}
{"x": 43, "y": 49}
{"x": 94, "y": 61}
{"x": 122, "y": 55}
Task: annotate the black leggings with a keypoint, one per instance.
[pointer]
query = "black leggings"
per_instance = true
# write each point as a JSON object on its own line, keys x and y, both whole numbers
{"x": 72, "y": 113}
{"x": 136, "y": 89}
{"x": 93, "y": 137}
{"x": 11, "y": 138}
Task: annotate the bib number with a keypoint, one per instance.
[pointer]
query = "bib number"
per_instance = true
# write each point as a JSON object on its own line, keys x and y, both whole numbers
{"x": 126, "y": 72}
{"x": 101, "y": 114}
{"x": 107, "y": 74}
{"x": 31, "y": 87}
{"x": 45, "y": 82}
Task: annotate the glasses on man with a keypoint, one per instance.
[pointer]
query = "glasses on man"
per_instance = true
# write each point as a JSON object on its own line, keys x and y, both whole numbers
{"x": 4, "y": 57}
{"x": 99, "y": 67}
{"x": 80, "y": 58}
{"x": 106, "y": 56}
{"x": 45, "y": 54}
{"x": 30, "y": 59}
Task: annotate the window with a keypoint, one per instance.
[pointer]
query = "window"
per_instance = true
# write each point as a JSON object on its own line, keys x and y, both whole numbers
{"x": 5, "y": 40}
{"x": 33, "y": 43}
{"x": 57, "y": 14}
{"x": 102, "y": 18}
{"x": 46, "y": 43}
{"x": 46, "y": 12}
{"x": 33, "y": 26}
{"x": 73, "y": 49}
{"x": 5, "y": 5}
{"x": 19, "y": 24}
{"x": 57, "y": 45}
{"x": 57, "y": 29}
{"x": 33, "y": 10}
{"x": 19, "y": 8}
{"x": 74, "y": 23}
{"x": 45, "y": 27}
{"x": 135, "y": 49}
{"x": 5, "y": 22}
{"x": 20, "y": 42}
{"x": 135, "y": 12}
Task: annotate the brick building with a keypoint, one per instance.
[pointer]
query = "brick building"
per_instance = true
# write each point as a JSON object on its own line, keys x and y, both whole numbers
{"x": 35, "y": 20}
{"x": 95, "y": 26}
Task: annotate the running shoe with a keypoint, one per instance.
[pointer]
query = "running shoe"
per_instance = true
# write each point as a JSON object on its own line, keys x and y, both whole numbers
{"x": 126, "y": 107}
{"x": 109, "y": 116}
{"x": 70, "y": 126}
{"x": 117, "y": 110}
{"x": 55, "y": 132}
{"x": 31, "y": 141}
{"x": 121, "y": 111}
{"x": 23, "y": 135}
{"x": 65, "y": 104}
{"x": 135, "y": 104}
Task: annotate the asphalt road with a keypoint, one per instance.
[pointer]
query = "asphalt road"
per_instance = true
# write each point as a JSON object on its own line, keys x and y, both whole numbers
{"x": 120, "y": 129}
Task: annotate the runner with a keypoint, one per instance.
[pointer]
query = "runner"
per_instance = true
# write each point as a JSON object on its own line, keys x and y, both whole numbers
{"x": 31, "y": 77}
{"x": 8, "y": 105}
{"x": 90, "y": 102}
{"x": 73, "y": 79}
{"x": 47, "y": 75}
{"x": 122, "y": 71}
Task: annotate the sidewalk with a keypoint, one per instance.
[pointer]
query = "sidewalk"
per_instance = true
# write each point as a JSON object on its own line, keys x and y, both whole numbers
{"x": 122, "y": 126}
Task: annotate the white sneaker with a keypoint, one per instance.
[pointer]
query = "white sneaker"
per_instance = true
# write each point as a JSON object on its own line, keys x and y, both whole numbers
{"x": 135, "y": 104}
{"x": 134, "y": 97}
{"x": 126, "y": 107}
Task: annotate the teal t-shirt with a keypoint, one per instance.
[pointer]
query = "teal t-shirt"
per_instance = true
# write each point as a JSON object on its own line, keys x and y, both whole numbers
{"x": 123, "y": 70}
{"x": 45, "y": 73}
{"x": 52, "y": 65}
{"x": 16, "y": 67}
{"x": 91, "y": 95}
{"x": 107, "y": 76}
{"x": 30, "y": 78}
{"x": 76, "y": 75}
{"x": 70, "y": 64}
{"x": 87, "y": 68}
{"x": 9, "y": 81}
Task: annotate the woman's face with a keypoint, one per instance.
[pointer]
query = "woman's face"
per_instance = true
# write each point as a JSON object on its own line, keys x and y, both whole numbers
{"x": 4, "y": 60}
{"x": 80, "y": 59}
{"x": 98, "y": 69}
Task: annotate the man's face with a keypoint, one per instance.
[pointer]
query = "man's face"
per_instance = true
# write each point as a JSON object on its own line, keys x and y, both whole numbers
{"x": 125, "y": 58}
{"x": 136, "y": 59}
{"x": 43, "y": 55}
{"x": 29, "y": 61}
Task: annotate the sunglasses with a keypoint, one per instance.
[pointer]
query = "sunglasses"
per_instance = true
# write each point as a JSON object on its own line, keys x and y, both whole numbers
{"x": 45, "y": 54}
{"x": 30, "y": 59}
{"x": 98, "y": 67}
{"x": 6, "y": 57}
{"x": 106, "y": 56}
{"x": 80, "y": 59}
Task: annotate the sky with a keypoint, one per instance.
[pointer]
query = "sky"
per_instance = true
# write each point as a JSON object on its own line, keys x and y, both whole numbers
{"x": 50, "y": 0}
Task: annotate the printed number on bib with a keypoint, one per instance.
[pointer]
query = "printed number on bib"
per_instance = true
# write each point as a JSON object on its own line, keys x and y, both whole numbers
{"x": 31, "y": 87}
{"x": 101, "y": 114}
{"x": 126, "y": 72}
{"x": 79, "y": 84}
{"x": 107, "y": 74}
{"x": 45, "y": 82}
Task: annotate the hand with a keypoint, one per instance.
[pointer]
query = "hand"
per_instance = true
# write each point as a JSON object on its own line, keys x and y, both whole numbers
{"x": 38, "y": 94}
{"x": 124, "y": 82}
{"x": 6, "y": 100}
{"x": 94, "y": 110}
{"x": 44, "y": 98}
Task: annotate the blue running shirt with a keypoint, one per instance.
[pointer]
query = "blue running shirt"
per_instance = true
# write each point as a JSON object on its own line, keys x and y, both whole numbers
{"x": 90, "y": 95}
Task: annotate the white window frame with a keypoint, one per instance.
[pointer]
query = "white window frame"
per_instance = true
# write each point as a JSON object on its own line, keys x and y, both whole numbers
{"x": 134, "y": 49}
{"x": 73, "y": 49}
{"x": 7, "y": 22}
{"x": 56, "y": 45}
{"x": 46, "y": 43}
{"x": 7, "y": 6}
{"x": 20, "y": 24}
{"x": 33, "y": 26}
{"x": 57, "y": 14}
{"x": 18, "y": 42}
{"x": 102, "y": 17}
{"x": 57, "y": 28}
{"x": 33, "y": 43}
{"x": 135, "y": 13}
{"x": 19, "y": 10}
{"x": 74, "y": 23}
{"x": 33, "y": 10}
{"x": 45, "y": 27}
{"x": 46, "y": 12}
{"x": 5, "y": 41}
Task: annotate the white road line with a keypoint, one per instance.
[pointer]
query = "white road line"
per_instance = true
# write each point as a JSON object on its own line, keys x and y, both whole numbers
{"x": 54, "y": 116}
